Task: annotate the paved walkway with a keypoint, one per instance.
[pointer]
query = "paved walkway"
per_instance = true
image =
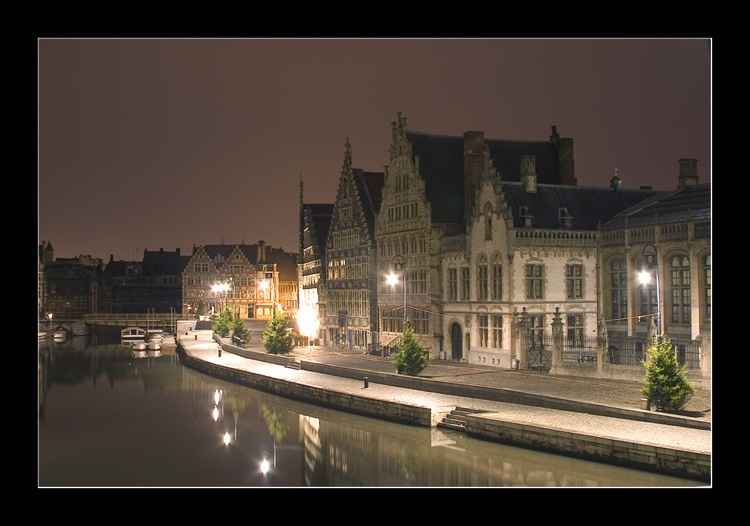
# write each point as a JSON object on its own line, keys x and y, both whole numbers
{"x": 618, "y": 394}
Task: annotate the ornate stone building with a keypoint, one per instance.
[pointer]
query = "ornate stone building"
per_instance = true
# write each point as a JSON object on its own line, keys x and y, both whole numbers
{"x": 664, "y": 241}
{"x": 350, "y": 316}
{"x": 495, "y": 255}
{"x": 260, "y": 281}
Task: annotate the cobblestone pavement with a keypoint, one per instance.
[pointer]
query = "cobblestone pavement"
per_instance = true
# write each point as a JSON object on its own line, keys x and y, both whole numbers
{"x": 614, "y": 393}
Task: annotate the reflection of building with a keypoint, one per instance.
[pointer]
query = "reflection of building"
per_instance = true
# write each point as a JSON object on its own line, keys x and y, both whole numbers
{"x": 350, "y": 264}
{"x": 261, "y": 280}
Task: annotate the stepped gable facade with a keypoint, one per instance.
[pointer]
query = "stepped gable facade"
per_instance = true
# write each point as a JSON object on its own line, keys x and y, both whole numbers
{"x": 349, "y": 308}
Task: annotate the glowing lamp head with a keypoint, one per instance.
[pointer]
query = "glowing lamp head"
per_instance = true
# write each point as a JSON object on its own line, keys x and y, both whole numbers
{"x": 392, "y": 279}
{"x": 644, "y": 278}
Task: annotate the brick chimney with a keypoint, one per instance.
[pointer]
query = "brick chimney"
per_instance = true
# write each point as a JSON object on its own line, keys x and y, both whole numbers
{"x": 473, "y": 167}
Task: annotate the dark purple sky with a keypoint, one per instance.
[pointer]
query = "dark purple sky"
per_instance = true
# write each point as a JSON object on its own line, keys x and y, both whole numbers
{"x": 169, "y": 143}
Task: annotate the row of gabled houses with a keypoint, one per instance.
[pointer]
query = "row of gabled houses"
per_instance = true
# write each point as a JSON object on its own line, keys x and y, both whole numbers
{"x": 253, "y": 280}
{"x": 488, "y": 246}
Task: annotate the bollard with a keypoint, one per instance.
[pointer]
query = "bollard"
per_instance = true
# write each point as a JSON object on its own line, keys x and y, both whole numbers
{"x": 367, "y": 382}
{"x": 196, "y": 336}
{"x": 219, "y": 352}
{"x": 645, "y": 404}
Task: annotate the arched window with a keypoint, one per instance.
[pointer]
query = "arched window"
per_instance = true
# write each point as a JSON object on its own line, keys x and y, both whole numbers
{"x": 497, "y": 278}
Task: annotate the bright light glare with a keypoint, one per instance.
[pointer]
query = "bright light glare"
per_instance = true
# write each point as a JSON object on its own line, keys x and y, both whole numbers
{"x": 392, "y": 279}
{"x": 226, "y": 438}
{"x": 644, "y": 277}
{"x": 308, "y": 322}
{"x": 215, "y": 414}
{"x": 220, "y": 287}
{"x": 217, "y": 397}
{"x": 264, "y": 466}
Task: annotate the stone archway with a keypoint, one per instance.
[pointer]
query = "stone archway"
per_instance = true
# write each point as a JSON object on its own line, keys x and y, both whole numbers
{"x": 456, "y": 342}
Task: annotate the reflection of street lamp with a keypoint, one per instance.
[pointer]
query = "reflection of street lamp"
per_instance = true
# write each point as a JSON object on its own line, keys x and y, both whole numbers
{"x": 651, "y": 260}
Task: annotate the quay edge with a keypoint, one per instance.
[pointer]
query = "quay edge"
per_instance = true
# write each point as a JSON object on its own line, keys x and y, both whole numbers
{"x": 486, "y": 426}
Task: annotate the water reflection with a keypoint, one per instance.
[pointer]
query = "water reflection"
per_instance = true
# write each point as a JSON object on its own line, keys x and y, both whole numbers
{"x": 108, "y": 419}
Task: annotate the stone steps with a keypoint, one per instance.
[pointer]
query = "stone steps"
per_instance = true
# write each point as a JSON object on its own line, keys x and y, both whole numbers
{"x": 456, "y": 419}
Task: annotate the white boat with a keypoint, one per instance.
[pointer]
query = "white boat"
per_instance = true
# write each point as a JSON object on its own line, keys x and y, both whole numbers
{"x": 132, "y": 334}
{"x": 60, "y": 335}
{"x": 154, "y": 343}
{"x": 138, "y": 346}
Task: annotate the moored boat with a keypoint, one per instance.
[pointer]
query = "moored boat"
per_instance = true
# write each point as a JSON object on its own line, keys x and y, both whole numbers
{"x": 129, "y": 334}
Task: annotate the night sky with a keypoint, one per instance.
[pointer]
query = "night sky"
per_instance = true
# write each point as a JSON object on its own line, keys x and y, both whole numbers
{"x": 170, "y": 143}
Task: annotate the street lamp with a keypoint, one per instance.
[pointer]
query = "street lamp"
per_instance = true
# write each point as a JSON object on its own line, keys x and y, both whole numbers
{"x": 651, "y": 261}
{"x": 399, "y": 264}
{"x": 221, "y": 289}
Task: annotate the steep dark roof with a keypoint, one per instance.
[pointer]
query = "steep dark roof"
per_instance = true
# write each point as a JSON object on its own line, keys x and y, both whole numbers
{"x": 163, "y": 263}
{"x": 689, "y": 203}
{"x": 369, "y": 188}
{"x": 284, "y": 264}
{"x": 586, "y": 205}
{"x": 319, "y": 215}
{"x": 441, "y": 163}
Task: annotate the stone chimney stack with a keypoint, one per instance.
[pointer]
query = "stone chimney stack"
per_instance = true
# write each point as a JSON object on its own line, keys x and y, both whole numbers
{"x": 528, "y": 173}
{"x": 567, "y": 168}
{"x": 261, "y": 251}
{"x": 688, "y": 173}
{"x": 473, "y": 167}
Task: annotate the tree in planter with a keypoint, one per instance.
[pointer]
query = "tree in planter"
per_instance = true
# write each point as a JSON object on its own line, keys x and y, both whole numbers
{"x": 409, "y": 359}
{"x": 665, "y": 382}
{"x": 276, "y": 338}
{"x": 239, "y": 330}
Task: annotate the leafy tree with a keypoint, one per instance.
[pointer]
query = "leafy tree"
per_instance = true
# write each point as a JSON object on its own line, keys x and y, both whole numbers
{"x": 665, "y": 383}
{"x": 223, "y": 322}
{"x": 409, "y": 359}
{"x": 276, "y": 338}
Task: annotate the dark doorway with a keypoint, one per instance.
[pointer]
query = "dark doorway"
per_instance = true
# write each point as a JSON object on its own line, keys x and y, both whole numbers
{"x": 456, "y": 342}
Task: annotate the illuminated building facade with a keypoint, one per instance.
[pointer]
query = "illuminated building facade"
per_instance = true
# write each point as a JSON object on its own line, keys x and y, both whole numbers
{"x": 260, "y": 281}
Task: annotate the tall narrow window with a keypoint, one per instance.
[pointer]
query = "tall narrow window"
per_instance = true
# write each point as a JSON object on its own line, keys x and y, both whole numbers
{"x": 497, "y": 331}
{"x": 534, "y": 282}
{"x": 707, "y": 286}
{"x": 487, "y": 221}
{"x": 680, "y": 288}
{"x": 575, "y": 329}
{"x": 497, "y": 279}
{"x": 453, "y": 283}
{"x": 618, "y": 279}
{"x": 465, "y": 283}
{"x": 574, "y": 281}
{"x": 482, "y": 278}
{"x": 484, "y": 330}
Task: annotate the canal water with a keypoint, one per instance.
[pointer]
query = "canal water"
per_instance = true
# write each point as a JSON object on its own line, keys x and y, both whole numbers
{"x": 109, "y": 418}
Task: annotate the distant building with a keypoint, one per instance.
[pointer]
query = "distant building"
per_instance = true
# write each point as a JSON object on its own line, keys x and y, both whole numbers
{"x": 70, "y": 288}
{"x": 138, "y": 287}
{"x": 260, "y": 280}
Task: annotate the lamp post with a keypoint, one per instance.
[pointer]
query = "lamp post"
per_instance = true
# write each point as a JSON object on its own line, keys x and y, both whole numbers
{"x": 399, "y": 265}
{"x": 650, "y": 260}
{"x": 221, "y": 289}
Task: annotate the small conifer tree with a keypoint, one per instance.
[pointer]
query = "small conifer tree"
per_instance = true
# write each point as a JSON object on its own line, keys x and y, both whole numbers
{"x": 276, "y": 338}
{"x": 409, "y": 359}
{"x": 665, "y": 383}
{"x": 223, "y": 322}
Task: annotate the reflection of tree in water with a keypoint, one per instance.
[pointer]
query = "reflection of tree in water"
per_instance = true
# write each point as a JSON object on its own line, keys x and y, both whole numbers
{"x": 274, "y": 418}
{"x": 407, "y": 461}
